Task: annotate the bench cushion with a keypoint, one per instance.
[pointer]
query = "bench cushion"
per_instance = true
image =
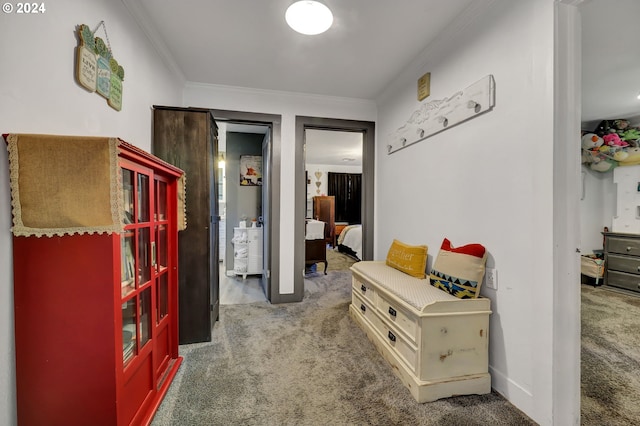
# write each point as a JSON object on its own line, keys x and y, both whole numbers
{"x": 414, "y": 291}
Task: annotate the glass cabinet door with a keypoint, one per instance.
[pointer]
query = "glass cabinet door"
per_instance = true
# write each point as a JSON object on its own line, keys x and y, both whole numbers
{"x": 161, "y": 250}
{"x": 137, "y": 260}
{"x": 147, "y": 269}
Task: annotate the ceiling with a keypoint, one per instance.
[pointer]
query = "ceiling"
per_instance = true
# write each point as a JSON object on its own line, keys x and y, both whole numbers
{"x": 610, "y": 61}
{"x": 246, "y": 43}
{"x": 333, "y": 148}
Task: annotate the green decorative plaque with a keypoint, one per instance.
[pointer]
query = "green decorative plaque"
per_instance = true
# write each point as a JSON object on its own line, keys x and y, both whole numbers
{"x": 96, "y": 68}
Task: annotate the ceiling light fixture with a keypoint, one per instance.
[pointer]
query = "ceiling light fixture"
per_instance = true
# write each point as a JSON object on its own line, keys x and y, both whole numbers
{"x": 309, "y": 17}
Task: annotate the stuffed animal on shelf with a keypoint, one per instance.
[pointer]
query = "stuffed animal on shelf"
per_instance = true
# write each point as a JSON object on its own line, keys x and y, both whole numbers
{"x": 633, "y": 157}
{"x": 591, "y": 141}
{"x": 611, "y": 126}
{"x": 613, "y": 139}
{"x": 621, "y": 155}
{"x": 632, "y": 134}
{"x": 602, "y": 165}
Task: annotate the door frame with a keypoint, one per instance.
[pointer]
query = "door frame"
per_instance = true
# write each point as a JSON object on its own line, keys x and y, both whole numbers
{"x": 367, "y": 128}
{"x": 566, "y": 324}
{"x": 272, "y": 174}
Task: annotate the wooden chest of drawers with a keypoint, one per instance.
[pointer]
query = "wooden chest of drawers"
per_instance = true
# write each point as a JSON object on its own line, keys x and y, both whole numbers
{"x": 622, "y": 260}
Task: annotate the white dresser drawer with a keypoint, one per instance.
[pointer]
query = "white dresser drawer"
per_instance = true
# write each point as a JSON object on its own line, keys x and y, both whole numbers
{"x": 398, "y": 316}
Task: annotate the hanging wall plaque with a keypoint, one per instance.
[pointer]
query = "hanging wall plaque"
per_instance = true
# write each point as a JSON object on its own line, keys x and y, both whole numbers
{"x": 96, "y": 68}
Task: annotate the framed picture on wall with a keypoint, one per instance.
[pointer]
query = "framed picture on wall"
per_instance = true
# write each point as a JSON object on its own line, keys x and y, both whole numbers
{"x": 250, "y": 170}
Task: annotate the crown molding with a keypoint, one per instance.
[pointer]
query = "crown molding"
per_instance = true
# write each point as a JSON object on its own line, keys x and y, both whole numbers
{"x": 139, "y": 14}
{"x": 572, "y": 2}
{"x": 280, "y": 93}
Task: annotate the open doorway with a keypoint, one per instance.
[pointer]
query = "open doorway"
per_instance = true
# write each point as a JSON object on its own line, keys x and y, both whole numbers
{"x": 256, "y": 137}
{"x": 608, "y": 202}
{"x": 333, "y": 170}
{"x": 367, "y": 131}
{"x": 240, "y": 199}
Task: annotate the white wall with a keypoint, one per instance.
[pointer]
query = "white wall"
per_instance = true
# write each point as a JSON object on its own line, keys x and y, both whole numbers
{"x": 38, "y": 94}
{"x": 597, "y": 208}
{"x": 488, "y": 180}
{"x": 288, "y": 106}
{"x": 312, "y": 168}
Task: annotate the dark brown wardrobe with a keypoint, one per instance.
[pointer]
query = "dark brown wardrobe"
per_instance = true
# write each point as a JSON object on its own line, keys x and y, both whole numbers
{"x": 187, "y": 138}
{"x": 324, "y": 210}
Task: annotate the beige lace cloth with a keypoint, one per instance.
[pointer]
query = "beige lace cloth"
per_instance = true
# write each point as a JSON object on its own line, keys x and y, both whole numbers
{"x": 64, "y": 185}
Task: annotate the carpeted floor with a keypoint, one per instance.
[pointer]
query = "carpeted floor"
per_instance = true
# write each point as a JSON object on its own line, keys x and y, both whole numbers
{"x": 306, "y": 364}
{"x": 336, "y": 261}
{"x": 610, "y": 357}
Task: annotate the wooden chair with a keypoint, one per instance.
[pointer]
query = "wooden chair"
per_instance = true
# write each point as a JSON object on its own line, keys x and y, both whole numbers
{"x": 315, "y": 251}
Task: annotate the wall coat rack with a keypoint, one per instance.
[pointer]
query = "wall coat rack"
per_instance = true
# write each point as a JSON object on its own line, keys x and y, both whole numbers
{"x": 439, "y": 115}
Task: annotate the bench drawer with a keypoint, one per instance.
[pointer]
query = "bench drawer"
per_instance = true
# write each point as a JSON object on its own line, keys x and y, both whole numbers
{"x": 406, "y": 351}
{"x": 364, "y": 289}
{"x": 396, "y": 315}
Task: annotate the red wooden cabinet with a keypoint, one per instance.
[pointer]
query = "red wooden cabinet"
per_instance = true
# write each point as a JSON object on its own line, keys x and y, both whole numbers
{"x": 96, "y": 315}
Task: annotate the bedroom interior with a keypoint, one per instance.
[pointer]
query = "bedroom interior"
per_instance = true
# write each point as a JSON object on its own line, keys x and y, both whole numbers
{"x": 333, "y": 176}
{"x": 609, "y": 290}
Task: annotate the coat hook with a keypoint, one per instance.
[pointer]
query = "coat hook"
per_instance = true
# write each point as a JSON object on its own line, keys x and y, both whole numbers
{"x": 474, "y": 105}
{"x": 403, "y": 141}
{"x": 421, "y": 133}
{"x": 444, "y": 121}
{"x": 389, "y": 148}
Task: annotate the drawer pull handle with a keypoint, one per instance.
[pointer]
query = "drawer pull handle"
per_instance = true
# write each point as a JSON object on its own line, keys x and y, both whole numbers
{"x": 363, "y": 308}
{"x": 392, "y": 312}
{"x": 629, "y": 248}
{"x": 363, "y": 288}
{"x": 392, "y": 337}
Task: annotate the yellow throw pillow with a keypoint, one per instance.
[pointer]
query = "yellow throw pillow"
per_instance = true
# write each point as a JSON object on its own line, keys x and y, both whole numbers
{"x": 411, "y": 260}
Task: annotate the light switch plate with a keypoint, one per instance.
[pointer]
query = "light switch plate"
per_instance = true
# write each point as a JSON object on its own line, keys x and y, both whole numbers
{"x": 491, "y": 278}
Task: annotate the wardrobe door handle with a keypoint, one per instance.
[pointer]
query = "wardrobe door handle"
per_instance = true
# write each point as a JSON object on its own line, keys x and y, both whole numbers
{"x": 392, "y": 312}
{"x": 392, "y": 337}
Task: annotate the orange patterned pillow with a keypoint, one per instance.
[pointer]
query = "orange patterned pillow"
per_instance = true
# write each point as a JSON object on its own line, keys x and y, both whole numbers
{"x": 411, "y": 260}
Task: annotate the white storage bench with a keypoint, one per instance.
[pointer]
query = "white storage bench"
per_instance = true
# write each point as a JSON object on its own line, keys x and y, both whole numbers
{"x": 436, "y": 343}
